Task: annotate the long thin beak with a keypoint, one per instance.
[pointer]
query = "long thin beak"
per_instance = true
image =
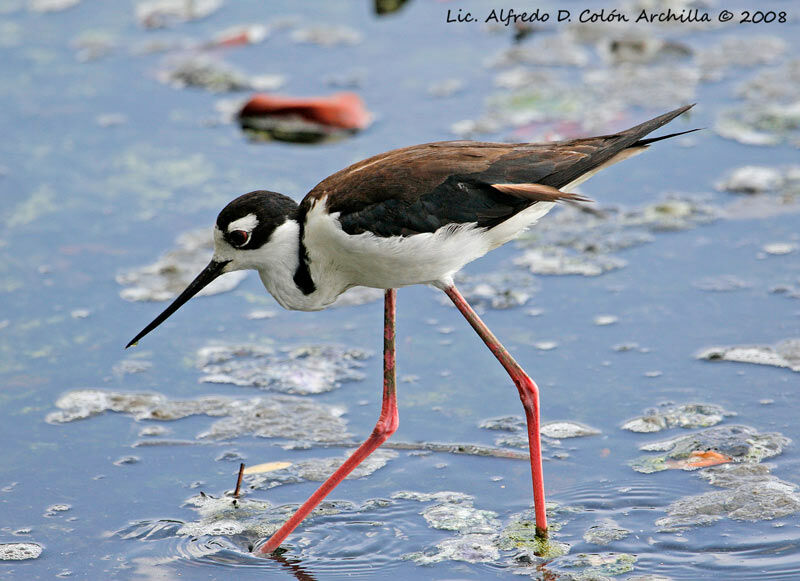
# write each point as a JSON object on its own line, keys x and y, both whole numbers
{"x": 209, "y": 273}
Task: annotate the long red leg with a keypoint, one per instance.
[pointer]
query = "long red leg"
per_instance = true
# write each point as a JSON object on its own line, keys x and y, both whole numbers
{"x": 528, "y": 393}
{"x": 386, "y": 426}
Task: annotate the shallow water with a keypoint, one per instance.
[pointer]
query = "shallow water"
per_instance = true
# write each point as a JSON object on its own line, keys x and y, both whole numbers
{"x": 103, "y": 167}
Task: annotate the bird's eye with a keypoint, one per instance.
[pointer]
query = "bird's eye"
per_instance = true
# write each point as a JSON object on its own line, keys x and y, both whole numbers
{"x": 239, "y": 237}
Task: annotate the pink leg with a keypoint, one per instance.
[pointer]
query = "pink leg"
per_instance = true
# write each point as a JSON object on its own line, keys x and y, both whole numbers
{"x": 528, "y": 393}
{"x": 386, "y": 426}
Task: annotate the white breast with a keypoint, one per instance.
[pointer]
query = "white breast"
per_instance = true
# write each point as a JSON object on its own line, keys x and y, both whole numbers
{"x": 341, "y": 260}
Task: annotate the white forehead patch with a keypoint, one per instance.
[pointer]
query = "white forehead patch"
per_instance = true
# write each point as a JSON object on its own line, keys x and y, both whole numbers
{"x": 248, "y": 223}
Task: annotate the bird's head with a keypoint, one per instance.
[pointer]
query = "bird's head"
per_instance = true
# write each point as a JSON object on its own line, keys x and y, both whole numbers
{"x": 242, "y": 240}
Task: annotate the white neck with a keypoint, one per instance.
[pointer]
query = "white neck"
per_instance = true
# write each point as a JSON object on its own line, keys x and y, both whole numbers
{"x": 277, "y": 263}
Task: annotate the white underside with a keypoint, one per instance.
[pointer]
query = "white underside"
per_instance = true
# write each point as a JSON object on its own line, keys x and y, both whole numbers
{"x": 339, "y": 260}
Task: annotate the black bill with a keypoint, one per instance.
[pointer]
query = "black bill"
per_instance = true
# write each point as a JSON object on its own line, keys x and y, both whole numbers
{"x": 210, "y": 272}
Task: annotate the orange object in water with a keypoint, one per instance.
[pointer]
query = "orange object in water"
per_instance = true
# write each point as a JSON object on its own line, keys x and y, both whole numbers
{"x": 699, "y": 459}
{"x": 342, "y": 110}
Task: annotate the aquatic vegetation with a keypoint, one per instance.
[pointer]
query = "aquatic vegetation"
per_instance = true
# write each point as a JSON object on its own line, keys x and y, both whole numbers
{"x": 283, "y": 416}
{"x": 20, "y": 551}
{"x": 783, "y": 354}
{"x": 737, "y": 443}
{"x": 496, "y": 290}
{"x": 748, "y": 495}
{"x": 300, "y": 370}
{"x": 605, "y": 533}
{"x": 317, "y": 470}
{"x": 205, "y": 72}
{"x": 665, "y": 416}
{"x": 584, "y": 242}
{"x": 169, "y": 275}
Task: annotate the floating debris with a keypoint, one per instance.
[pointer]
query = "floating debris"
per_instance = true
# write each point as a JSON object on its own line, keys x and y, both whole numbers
{"x": 54, "y": 508}
{"x": 266, "y": 467}
{"x": 476, "y": 541}
{"x": 552, "y": 431}
{"x": 520, "y": 535}
{"x": 752, "y": 179}
{"x": 303, "y": 119}
{"x": 731, "y": 53}
{"x": 496, "y": 290}
{"x": 789, "y": 290}
{"x": 445, "y": 496}
{"x": 566, "y": 429}
{"x": 470, "y": 548}
{"x": 302, "y": 370}
{"x": 603, "y": 320}
{"x": 698, "y": 459}
{"x": 51, "y": 6}
{"x": 152, "y": 431}
{"x": 466, "y": 449}
{"x": 229, "y": 517}
{"x": 560, "y": 261}
{"x": 581, "y": 240}
{"x": 738, "y": 443}
{"x": 559, "y": 50}
{"x": 19, "y": 551}
{"x": 205, "y": 72}
{"x": 776, "y": 84}
{"x": 169, "y": 275}
{"x": 598, "y": 565}
{"x": 461, "y": 517}
{"x": 131, "y": 366}
{"x": 783, "y": 354}
{"x": 282, "y": 416}
{"x": 779, "y": 248}
{"x": 639, "y": 49}
{"x": 327, "y": 35}
{"x": 605, "y": 533}
{"x": 318, "y": 470}
{"x": 163, "y": 13}
{"x": 384, "y": 7}
{"x": 260, "y": 315}
{"x": 760, "y": 124}
{"x": 665, "y": 416}
{"x": 733, "y": 475}
{"x": 658, "y": 85}
{"x": 244, "y": 34}
{"x": 504, "y": 423}
{"x": 764, "y": 499}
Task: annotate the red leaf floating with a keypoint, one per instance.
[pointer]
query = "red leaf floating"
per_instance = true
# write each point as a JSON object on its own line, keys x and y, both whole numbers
{"x": 341, "y": 110}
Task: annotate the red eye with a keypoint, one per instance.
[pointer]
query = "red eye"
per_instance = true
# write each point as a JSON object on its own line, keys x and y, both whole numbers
{"x": 239, "y": 237}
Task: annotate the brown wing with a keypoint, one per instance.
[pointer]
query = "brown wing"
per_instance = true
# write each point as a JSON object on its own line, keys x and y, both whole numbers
{"x": 424, "y": 187}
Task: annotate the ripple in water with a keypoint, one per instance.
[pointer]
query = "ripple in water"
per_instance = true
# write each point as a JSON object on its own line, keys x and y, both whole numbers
{"x": 343, "y": 538}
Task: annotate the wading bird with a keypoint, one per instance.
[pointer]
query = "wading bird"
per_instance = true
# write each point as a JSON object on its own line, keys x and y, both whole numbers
{"x": 415, "y": 215}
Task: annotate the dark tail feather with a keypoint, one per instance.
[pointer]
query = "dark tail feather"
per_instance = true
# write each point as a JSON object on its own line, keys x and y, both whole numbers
{"x": 645, "y": 142}
{"x": 649, "y": 126}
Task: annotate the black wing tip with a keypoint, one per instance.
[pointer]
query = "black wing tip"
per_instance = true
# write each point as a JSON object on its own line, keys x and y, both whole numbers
{"x": 639, "y": 131}
{"x": 660, "y": 120}
{"x": 646, "y": 142}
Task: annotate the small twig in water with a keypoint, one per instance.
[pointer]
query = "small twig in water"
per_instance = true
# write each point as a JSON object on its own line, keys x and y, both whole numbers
{"x": 239, "y": 480}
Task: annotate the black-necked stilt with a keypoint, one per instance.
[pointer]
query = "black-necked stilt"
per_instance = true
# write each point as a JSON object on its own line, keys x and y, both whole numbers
{"x": 410, "y": 216}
